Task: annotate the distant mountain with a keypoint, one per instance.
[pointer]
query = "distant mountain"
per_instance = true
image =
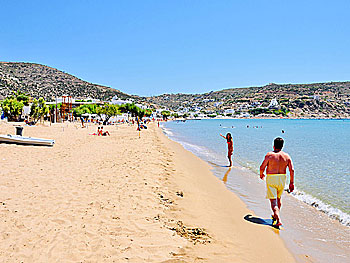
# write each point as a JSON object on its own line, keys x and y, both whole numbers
{"x": 43, "y": 81}
{"x": 324, "y": 100}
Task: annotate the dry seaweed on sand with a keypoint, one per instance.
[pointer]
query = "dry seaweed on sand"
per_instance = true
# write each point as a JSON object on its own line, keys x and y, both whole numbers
{"x": 196, "y": 235}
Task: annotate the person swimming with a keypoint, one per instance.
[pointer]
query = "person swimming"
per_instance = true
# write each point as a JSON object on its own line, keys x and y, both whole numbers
{"x": 229, "y": 140}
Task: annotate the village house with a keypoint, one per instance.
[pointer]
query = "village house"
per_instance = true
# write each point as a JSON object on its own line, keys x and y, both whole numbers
{"x": 273, "y": 104}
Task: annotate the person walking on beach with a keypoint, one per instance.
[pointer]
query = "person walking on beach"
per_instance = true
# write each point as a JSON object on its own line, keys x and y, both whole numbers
{"x": 229, "y": 140}
{"x": 82, "y": 121}
{"x": 276, "y": 163}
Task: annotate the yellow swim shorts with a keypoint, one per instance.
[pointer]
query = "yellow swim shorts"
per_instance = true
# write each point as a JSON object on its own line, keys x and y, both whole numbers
{"x": 275, "y": 185}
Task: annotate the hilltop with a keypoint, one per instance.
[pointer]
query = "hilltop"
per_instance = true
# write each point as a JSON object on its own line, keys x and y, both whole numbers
{"x": 43, "y": 81}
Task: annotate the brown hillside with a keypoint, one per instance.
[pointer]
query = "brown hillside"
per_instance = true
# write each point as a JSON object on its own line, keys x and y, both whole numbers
{"x": 43, "y": 81}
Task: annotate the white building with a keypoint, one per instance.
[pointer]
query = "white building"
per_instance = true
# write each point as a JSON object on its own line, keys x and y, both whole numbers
{"x": 157, "y": 113}
{"x": 141, "y": 106}
{"x": 89, "y": 99}
{"x": 26, "y": 111}
{"x": 244, "y": 106}
{"x": 201, "y": 115}
{"x": 217, "y": 104}
{"x": 116, "y": 101}
{"x": 255, "y": 104}
{"x": 245, "y": 115}
{"x": 273, "y": 104}
{"x": 229, "y": 111}
{"x": 121, "y": 117}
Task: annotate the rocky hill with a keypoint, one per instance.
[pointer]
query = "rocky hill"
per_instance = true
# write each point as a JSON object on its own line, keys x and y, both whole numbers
{"x": 317, "y": 100}
{"x": 43, "y": 81}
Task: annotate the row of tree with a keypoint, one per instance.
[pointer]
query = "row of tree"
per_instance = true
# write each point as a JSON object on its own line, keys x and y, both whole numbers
{"x": 107, "y": 111}
{"x": 282, "y": 111}
{"x": 13, "y": 105}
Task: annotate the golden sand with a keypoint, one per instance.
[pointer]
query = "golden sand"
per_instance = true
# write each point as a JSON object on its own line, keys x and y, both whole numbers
{"x": 120, "y": 199}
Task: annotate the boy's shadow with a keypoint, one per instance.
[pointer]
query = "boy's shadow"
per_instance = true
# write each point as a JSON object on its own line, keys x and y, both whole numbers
{"x": 260, "y": 221}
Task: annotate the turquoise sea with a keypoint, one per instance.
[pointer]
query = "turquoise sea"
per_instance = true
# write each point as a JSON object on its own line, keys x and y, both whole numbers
{"x": 320, "y": 150}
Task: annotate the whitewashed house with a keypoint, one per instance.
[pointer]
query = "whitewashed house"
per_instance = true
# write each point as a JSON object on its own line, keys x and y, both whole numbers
{"x": 229, "y": 111}
{"x": 116, "y": 101}
{"x": 273, "y": 104}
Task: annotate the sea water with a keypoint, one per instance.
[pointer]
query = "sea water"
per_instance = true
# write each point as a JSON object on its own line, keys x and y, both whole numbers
{"x": 320, "y": 150}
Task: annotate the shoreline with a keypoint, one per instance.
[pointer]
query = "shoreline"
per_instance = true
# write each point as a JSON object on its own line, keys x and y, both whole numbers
{"x": 300, "y": 237}
{"x": 223, "y": 212}
{"x": 332, "y": 211}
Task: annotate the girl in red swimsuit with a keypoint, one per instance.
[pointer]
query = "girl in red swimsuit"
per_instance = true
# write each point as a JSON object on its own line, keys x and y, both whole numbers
{"x": 229, "y": 140}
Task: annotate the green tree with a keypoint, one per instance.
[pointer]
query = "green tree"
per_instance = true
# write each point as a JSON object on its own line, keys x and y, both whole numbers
{"x": 134, "y": 110}
{"x": 165, "y": 114}
{"x": 258, "y": 111}
{"x": 86, "y": 108}
{"x": 107, "y": 111}
{"x": 148, "y": 112}
{"x": 283, "y": 111}
{"x": 12, "y": 108}
{"x": 38, "y": 109}
{"x": 129, "y": 108}
{"x": 175, "y": 115}
{"x": 13, "y": 105}
{"x": 52, "y": 108}
{"x": 22, "y": 97}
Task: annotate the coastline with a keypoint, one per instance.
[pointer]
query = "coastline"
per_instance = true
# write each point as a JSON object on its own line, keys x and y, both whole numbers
{"x": 121, "y": 198}
{"x": 212, "y": 156}
{"x": 315, "y": 233}
{"x": 212, "y": 206}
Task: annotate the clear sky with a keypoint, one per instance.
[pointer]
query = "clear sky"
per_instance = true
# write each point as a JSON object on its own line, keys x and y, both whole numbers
{"x": 152, "y": 47}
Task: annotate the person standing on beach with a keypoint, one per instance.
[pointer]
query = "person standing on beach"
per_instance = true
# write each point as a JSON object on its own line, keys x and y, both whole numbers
{"x": 276, "y": 163}
{"x": 229, "y": 140}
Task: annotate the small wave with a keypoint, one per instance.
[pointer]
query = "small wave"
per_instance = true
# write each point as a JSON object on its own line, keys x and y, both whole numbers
{"x": 201, "y": 151}
{"x": 332, "y": 212}
{"x": 197, "y": 150}
{"x": 167, "y": 131}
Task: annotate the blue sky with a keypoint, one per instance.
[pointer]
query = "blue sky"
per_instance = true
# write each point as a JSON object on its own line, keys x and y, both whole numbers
{"x": 153, "y": 47}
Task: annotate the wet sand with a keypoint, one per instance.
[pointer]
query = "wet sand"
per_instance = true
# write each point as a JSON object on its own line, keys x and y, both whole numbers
{"x": 121, "y": 199}
{"x": 306, "y": 230}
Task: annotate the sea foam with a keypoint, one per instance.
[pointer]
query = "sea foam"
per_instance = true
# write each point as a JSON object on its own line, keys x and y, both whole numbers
{"x": 332, "y": 212}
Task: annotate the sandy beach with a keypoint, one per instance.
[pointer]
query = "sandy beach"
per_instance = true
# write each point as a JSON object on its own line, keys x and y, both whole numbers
{"x": 121, "y": 199}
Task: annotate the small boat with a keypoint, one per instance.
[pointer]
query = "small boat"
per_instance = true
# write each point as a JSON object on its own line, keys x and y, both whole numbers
{"x": 25, "y": 140}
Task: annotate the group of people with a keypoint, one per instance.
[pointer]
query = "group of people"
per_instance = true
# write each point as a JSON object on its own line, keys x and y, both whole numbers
{"x": 275, "y": 163}
{"x": 101, "y": 132}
